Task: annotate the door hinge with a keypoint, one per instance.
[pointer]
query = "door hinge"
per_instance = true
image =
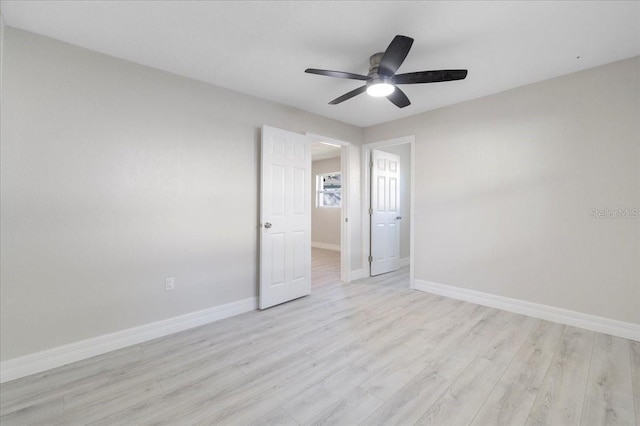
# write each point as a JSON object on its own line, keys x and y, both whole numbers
{"x": 370, "y": 259}
{"x": 346, "y": 219}
{"x": 371, "y": 164}
{"x": 370, "y": 211}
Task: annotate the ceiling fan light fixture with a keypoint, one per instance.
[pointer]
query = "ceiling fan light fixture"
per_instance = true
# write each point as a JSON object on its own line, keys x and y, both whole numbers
{"x": 382, "y": 78}
{"x": 379, "y": 90}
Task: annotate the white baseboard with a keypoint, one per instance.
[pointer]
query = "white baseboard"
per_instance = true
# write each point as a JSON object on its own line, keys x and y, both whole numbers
{"x": 335, "y": 247}
{"x": 622, "y": 329}
{"x": 62, "y": 355}
{"x": 356, "y": 275}
{"x": 404, "y": 262}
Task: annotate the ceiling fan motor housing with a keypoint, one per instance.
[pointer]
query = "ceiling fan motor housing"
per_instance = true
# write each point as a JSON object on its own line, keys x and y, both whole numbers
{"x": 374, "y": 77}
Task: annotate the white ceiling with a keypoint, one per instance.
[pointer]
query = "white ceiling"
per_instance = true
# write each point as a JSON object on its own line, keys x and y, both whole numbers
{"x": 322, "y": 151}
{"x": 262, "y": 48}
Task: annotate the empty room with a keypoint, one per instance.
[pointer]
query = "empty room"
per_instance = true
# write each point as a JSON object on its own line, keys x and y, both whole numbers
{"x": 320, "y": 212}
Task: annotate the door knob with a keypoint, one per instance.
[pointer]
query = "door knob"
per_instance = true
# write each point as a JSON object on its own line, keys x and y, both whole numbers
{"x": 267, "y": 225}
{"x": 398, "y": 217}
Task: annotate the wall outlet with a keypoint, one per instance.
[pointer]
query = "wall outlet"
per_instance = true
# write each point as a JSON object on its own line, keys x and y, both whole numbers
{"x": 169, "y": 283}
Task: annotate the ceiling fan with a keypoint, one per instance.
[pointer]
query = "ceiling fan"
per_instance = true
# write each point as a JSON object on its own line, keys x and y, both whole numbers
{"x": 382, "y": 79}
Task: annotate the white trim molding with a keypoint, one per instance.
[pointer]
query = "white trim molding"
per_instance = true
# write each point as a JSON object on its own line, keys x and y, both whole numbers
{"x": 357, "y": 274}
{"x": 406, "y": 261}
{"x": 62, "y": 355}
{"x": 327, "y": 246}
{"x": 551, "y": 313}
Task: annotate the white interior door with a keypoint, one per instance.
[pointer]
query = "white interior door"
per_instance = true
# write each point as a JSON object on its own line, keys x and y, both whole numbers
{"x": 285, "y": 217}
{"x": 385, "y": 214}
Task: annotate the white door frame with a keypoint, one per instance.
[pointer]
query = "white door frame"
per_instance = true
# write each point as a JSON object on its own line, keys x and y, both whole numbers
{"x": 366, "y": 199}
{"x": 345, "y": 227}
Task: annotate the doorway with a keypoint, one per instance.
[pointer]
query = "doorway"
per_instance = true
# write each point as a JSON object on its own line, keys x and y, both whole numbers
{"x": 330, "y": 229}
{"x": 402, "y": 149}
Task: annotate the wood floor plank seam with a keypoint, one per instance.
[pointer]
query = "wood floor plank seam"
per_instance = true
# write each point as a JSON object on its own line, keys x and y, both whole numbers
{"x": 543, "y": 381}
{"x": 525, "y": 341}
{"x": 562, "y": 414}
{"x": 513, "y": 392}
{"x": 429, "y": 373}
{"x": 586, "y": 384}
{"x": 488, "y": 361}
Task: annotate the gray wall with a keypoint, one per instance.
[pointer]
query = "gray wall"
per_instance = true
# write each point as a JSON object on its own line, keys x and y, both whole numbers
{"x": 115, "y": 176}
{"x": 505, "y": 186}
{"x": 404, "y": 151}
{"x": 325, "y": 222}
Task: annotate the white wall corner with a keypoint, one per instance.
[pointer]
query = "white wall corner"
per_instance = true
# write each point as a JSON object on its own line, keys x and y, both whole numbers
{"x": 327, "y": 246}
{"x": 56, "y": 357}
{"x": 617, "y": 328}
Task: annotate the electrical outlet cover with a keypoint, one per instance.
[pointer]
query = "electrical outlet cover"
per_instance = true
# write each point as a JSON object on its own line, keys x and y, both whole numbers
{"x": 170, "y": 283}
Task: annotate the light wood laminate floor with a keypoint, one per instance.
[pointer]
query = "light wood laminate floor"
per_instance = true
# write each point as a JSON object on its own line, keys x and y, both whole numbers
{"x": 371, "y": 352}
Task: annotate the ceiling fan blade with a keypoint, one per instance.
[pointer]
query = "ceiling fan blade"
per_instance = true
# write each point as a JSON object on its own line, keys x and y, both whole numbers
{"x": 348, "y": 95}
{"x": 429, "y": 76}
{"x": 394, "y": 55}
{"x": 338, "y": 74}
{"x": 399, "y": 99}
